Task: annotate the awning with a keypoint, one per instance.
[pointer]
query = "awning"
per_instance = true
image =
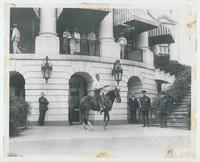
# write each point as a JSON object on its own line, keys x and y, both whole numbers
{"x": 160, "y": 35}
{"x": 137, "y": 18}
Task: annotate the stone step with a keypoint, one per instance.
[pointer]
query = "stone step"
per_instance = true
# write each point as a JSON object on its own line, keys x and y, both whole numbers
{"x": 180, "y": 110}
{"x": 185, "y": 99}
{"x": 177, "y": 120}
{"x": 177, "y": 126}
{"x": 181, "y": 107}
{"x": 176, "y": 116}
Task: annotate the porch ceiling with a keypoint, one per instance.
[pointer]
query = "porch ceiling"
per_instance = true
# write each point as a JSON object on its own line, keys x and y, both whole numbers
{"x": 83, "y": 18}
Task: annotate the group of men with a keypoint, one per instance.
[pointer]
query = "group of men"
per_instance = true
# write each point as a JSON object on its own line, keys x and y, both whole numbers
{"x": 74, "y": 43}
{"x": 143, "y": 106}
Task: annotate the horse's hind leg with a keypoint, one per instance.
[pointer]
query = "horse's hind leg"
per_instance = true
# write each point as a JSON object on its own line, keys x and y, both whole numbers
{"x": 87, "y": 120}
{"x": 90, "y": 125}
{"x": 83, "y": 120}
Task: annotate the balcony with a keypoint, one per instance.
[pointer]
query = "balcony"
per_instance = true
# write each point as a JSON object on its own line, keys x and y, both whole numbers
{"x": 85, "y": 48}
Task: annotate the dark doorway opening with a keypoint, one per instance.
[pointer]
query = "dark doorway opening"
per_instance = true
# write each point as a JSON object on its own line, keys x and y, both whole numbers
{"x": 77, "y": 89}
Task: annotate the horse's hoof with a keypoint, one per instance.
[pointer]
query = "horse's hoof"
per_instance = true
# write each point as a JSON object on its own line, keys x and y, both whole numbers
{"x": 85, "y": 128}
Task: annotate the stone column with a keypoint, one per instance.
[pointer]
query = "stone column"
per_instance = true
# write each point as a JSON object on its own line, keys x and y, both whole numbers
{"x": 108, "y": 47}
{"x": 155, "y": 49}
{"x": 47, "y": 42}
{"x": 142, "y": 43}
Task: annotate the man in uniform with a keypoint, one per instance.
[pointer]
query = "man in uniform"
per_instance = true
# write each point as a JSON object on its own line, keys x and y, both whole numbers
{"x": 145, "y": 104}
{"x": 163, "y": 108}
{"x": 15, "y": 39}
{"x": 133, "y": 107}
{"x": 43, "y": 102}
{"x": 122, "y": 42}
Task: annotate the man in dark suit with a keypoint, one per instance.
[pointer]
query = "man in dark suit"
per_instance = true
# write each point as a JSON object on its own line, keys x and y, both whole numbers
{"x": 163, "y": 109}
{"x": 43, "y": 102}
{"x": 145, "y": 104}
{"x": 133, "y": 107}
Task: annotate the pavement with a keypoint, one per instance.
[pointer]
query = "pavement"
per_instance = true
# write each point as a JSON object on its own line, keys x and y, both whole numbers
{"x": 117, "y": 141}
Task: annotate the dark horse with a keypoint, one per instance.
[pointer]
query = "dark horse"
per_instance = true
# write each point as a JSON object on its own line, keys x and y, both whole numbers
{"x": 88, "y": 103}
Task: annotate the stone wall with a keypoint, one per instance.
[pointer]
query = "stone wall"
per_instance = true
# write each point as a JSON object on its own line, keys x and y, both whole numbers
{"x": 64, "y": 67}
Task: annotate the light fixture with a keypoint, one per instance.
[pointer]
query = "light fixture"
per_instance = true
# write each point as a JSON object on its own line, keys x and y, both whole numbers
{"x": 46, "y": 69}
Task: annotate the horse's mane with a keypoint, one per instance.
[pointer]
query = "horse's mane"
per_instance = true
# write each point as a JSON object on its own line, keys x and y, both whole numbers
{"x": 110, "y": 92}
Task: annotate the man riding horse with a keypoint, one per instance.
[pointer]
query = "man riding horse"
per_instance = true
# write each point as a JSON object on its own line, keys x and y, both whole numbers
{"x": 101, "y": 101}
{"x": 99, "y": 92}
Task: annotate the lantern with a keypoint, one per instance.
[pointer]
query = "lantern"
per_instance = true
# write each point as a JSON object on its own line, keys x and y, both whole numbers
{"x": 117, "y": 71}
{"x": 46, "y": 69}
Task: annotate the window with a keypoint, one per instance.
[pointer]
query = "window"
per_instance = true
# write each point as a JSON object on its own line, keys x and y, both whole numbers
{"x": 164, "y": 49}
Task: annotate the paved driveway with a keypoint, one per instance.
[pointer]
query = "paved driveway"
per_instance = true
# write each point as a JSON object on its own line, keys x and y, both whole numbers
{"x": 117, "y": 141}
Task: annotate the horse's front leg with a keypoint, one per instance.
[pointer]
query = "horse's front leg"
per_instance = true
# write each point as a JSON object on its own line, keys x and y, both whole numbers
{"x": 108, "y": 118}
{"x": 104, "y": 119}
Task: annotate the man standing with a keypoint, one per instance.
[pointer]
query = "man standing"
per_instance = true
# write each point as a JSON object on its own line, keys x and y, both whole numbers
{"x": 92, "y": 40}
{"x": 133, "y": 106}
{"x": 145, "y": 104}
{"x": 15, "y": 39}
{"x": 122, "y": 42}
{"x": 77, "y": 38}
{"x": 43, "y": 102}
{"x": 163, "y": 107}
{"x": 66, "y": 40}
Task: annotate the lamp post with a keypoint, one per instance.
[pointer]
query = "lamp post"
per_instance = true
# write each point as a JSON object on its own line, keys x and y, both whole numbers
{"x": 46, "y": 69}
{"x": 117, "y": 71}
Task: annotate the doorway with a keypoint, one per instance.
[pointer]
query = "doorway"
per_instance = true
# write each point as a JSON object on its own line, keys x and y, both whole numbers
{"x": 77, "y": 89}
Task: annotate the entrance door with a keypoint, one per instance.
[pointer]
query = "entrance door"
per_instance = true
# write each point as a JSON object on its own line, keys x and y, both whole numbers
{"x": 77, "y": 89}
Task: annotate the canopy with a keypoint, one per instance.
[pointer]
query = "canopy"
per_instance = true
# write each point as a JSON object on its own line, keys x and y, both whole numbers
{"x": 137, "y": 18}
{"x": 160, "y": 35}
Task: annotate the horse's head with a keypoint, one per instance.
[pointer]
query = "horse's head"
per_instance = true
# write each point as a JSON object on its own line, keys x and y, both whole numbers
{"x": 117, "y": 95}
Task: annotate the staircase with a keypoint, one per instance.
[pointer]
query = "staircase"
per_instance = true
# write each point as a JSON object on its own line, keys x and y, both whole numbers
{"x": 180, "y": 116}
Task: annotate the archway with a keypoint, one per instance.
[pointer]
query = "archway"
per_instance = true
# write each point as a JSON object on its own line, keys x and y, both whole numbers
{"x": 134, "y": 87}
{"x": 17, "y": 83}
{"x": 80, "y": 85}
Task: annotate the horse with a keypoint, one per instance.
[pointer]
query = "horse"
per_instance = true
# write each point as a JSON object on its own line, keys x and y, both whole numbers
{"x": 88, "y": 103}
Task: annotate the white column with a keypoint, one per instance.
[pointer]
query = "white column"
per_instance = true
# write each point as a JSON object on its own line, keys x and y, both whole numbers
{"x": 142, "y": 43}
{"x": 106, "y": 28}
{"x": 47, "y": 42}
{"x": 155, "y": 49}
{"x": 108, "y": 47}
{"x": 47, "y": 21}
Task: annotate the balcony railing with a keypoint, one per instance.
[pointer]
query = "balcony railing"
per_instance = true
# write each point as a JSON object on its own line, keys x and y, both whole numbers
{"x": 134, "y": 54}
{"x": 85, "y": 48}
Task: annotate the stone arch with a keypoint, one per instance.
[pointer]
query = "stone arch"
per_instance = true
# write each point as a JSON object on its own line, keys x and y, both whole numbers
{"x": 80, "y": 85}
{"x": 135, "y": 86}
{"x": 17, "y": 84}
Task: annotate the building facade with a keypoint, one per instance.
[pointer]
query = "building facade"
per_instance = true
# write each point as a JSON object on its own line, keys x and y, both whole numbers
{"x": 72, "y": 76}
